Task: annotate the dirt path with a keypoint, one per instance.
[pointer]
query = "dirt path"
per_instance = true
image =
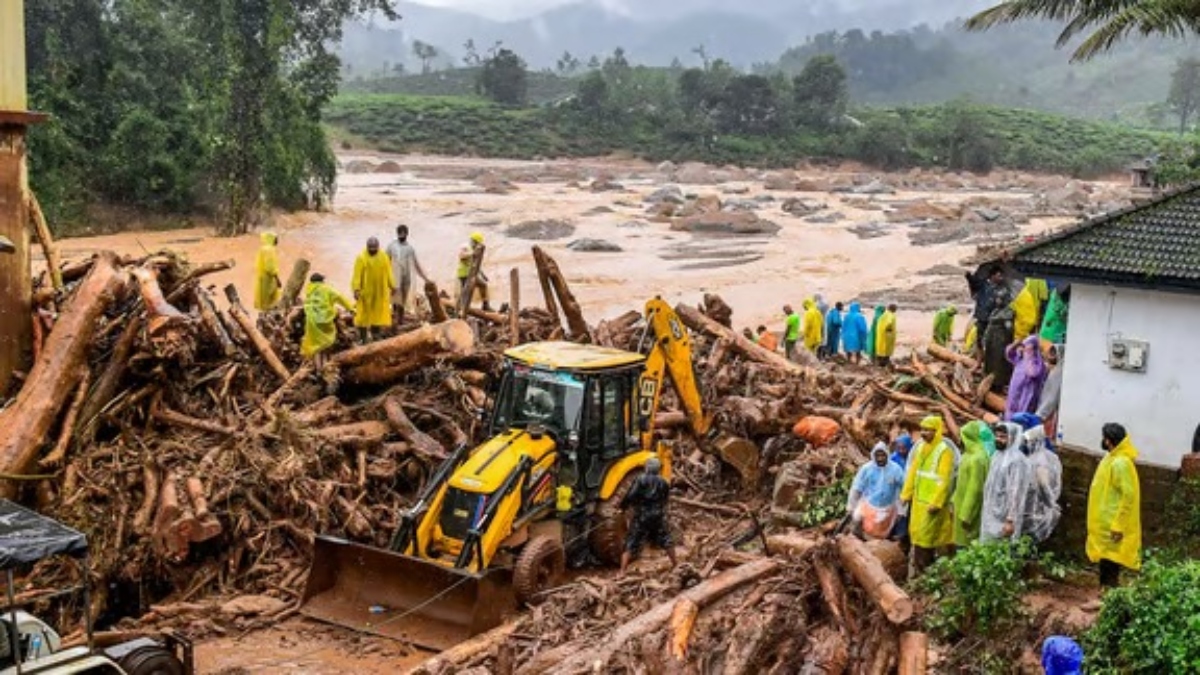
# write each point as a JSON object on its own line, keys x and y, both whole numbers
{"x": 304, "y": 647}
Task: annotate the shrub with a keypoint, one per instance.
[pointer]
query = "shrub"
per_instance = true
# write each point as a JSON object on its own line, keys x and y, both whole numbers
{"x": 824, "y": 504}
{"x": 978, "y": 591}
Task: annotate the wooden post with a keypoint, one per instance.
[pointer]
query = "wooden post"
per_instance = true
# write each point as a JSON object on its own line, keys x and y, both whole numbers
{"x": 514, "y": 308}
{"x": 42, "y": 228}
{"x": 294, "y": 285}
{"x": 468, "y": 288}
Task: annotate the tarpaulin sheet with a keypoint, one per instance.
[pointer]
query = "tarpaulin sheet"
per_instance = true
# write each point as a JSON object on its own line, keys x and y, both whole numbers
{"x": 27, "y": 537}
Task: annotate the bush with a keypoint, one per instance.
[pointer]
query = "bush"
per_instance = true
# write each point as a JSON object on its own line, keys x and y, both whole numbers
{"x": 1151, "y": 626}
{"x": 978, "y": 591}
{"x": 824, "y": 504}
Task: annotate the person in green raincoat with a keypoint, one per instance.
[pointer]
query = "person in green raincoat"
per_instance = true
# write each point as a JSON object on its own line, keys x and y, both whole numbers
{"x": 968, "y": 487}
{"x": 927, "y": 492}
{"x": 320, "y": 318}
{"x": 943, "y": 324}
{"x": 989, "y": 440}
{"x": 1054, "y": 324}
{"x": 879, "y": 310}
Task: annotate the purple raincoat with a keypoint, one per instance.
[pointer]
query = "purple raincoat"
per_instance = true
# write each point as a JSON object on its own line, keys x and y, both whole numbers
{"x": 1029, "y": 374}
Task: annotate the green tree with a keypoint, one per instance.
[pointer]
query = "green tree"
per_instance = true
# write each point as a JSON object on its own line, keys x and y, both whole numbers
{"x": 819, "y": 93}
{"x": 1184, "y": 95}
{"x": 593, "y": 96}
{"x": 1104, "y": 22}
{"x": 749, "y": 106}
{"x": 426, "y": 53}
{"x": 471, "y": 58}
{"x": 567, "y": 64}
{"x": 504, "y": 78}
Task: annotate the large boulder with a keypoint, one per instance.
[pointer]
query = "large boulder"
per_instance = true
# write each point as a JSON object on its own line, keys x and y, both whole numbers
{"x": 875, "y": 187}
{"x": 541, "y": 230}
{"x": 359, "y": 166}
{"x": 669, "y": 194}
{"x": 389, "y": 166}
{"x": 739, "y": 223}
{"x": 702, "y": 204}
{"x": 594, "y": 246}
{"x": 695, "y": 174}
{"x": 802, "y": 207}
{"x": 780, "y": 181}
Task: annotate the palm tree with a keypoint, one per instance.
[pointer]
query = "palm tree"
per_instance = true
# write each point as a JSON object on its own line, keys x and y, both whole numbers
{"x": 1104, "y": 22}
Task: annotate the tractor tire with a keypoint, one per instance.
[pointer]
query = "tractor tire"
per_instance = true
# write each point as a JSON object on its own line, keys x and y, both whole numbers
{"x": 610, "y": 525}
{"x": 540, "y": 566}
{"x": 151, "y": 661}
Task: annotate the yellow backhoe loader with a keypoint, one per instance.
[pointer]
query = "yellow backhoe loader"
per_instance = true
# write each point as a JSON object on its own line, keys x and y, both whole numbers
{"x": 571, "y": 427}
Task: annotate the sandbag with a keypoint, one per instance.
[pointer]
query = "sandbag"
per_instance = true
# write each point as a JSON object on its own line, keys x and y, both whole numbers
{"x": 817, "y": 431}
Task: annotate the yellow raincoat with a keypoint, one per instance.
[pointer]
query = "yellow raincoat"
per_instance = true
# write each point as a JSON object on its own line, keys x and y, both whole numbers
{"x": 928, "y": 484}
{"x": 373, "y": 285}
{"x": 1027, "y": 307}
{"x": 266, "y": 273}
{"x": 813, "y": 323}
{"x": 320, "y": 317}
{"x": 885, "y": 335}
{"x": 1115, "y": 505}
{"x": 971, "y": 338}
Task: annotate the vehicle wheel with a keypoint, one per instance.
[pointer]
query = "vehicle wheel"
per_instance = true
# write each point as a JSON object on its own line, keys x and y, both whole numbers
{"x": 610, "y": 524}
{"x": 151, "y": 661}
{"x": 539, "y": 566}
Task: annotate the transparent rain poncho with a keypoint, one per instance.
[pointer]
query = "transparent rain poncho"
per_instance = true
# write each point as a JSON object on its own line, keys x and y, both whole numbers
{"x": 1006, "y": 489}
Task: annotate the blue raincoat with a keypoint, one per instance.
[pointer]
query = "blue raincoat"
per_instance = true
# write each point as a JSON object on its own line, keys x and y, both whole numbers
{"x": 833, "y": 331}
{"x": 854, "y": 330}
{"x": 879, "y": 485}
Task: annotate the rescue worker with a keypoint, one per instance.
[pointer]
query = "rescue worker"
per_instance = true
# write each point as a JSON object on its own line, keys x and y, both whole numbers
{"x": 1028, "y": 376}
{"x": 1047, "y": 407}
{"x": 854, "y": 333}
{"x": 943, "y": 324}
{"x": 1054, "y": 323}
{"x": 466, "y": 255}
{"x": 373, "y": 285}
{"x": 767, "y": 339}
{"x": 873, "y": 333}
{"x": 1007, "y": 487}
{"x": 885, "y": 337}
{"x": 1114, "y": 524}
{"x": 814, "y": 323}
{"x": 648, "y": 498}
{"x": 1041, "y": 506}
{"x": 833, "y": 330}
{"x": 1027, "y": 308}
{"x": 404, "y": 262}
{"x": 901, "y": 447}
{"x": 927, "y": 491}
{"x": 791, "y": 333}
{"x": 320, "y": 318}
{"x": 874, "y": 501}
{"x": 267, "y": 285}
{"x": 969, "y": 484}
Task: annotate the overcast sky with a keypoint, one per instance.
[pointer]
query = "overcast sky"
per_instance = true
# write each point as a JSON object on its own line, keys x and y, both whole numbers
{"x": 507, "y": 9}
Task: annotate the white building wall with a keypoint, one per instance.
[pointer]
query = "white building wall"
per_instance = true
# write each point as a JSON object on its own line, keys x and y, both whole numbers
{"x": 1160, "y": 407}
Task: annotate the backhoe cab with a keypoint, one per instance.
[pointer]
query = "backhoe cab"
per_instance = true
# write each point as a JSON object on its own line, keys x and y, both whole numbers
{"x": 571, "y": 428}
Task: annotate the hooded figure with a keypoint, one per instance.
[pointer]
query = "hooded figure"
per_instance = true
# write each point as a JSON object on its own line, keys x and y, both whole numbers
{"x": 873, "y": 334}
{"x": 1029, "y": 374}
{"x": 813, "y": 323}
{"x": 968, "y": 486}
{"x": 943, "y": 324}
{"x": 854, "y": 330}
{"x": 1007, "y": 487}
{"x": 989, "y": 440}
{"x": 266, "y": 273}
{"x": 1114, "y": 521}
{"x": 833, "y": 330}
{"x": 927, "y": 489}
{"x": 320, "y": 316}
{"x": 373, "y": 285}
{"x": 885, "y": 334}
{"x": 1062, "y": 656}
{"x": 875, "y": 494}
{"x": 1041, "y": 508}
{"x": 901, "y": 447}
{"x": 822, "y": 306}
{"x": 1047, "y": 407}
{"x": 1054, "y": 324}
{"x": 1027, "y": 308}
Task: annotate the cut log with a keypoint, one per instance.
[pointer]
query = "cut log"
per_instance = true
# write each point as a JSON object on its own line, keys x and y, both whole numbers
{"x": 833, "y": 592}
{"x": 683, "y": 619}
{"x": 494, "y": 318}
{"x": 169, "y": 536}
{"x": 386, "y": 361}
{"x": 576, "y": 324}
{"x": 830, "y": 654}
{"x": 206, "y": 526}
{"x": 995, "y": 402}
{"x": 419, "y": 441}
{"x": 464, "y": 652}
{"x": 107, "y": 383}
{"x": 59, "y": 452}
{"x": 356, "y": 434}
{"x": 982, "y": 390}
{"x": 869, "y": 574}
{"x": 945, "y": 391}
{"x": 914, "y": 653}
{"x": 437, "y": 313}
{"x": 890, "y": 555}
{"x": 547, "y": 288}
{"x": 42, "y": 230}
{"x": 796, "y": 546}
{"x": 294, "y": 286}
{"x": 578, "y": 656}
{"x": 697, "y": 321}
{"x": 257, "y": 339}
{"x": 514, "y": 307}
{"x": 720, "y": 348}
{"x": 949, "y": 356}
{"x": 26, "y": 423}
{"x": 212, "y": 324}
{"x": 161, "y": 314}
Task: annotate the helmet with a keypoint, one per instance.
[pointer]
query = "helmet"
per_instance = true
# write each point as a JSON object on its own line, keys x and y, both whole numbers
{"x": 654, "y": 465}
{"x": 477, "y": 237}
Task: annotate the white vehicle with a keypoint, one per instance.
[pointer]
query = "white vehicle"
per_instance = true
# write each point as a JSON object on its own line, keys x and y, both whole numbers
{"x": 29, "y": 645}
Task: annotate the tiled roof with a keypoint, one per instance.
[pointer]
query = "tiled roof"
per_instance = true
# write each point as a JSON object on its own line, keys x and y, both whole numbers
{"x": 1154, "y": 245}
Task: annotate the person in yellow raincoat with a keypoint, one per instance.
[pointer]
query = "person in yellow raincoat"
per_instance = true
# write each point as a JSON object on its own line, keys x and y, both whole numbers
{"x": 373, "y": 285}
{"x": 927, "y": 488}
{"x": 320, "y": 318}
{"x": 1028, "y": 308}
{"x": 266, "y": 273}
{"x": 1114, "y": 520}
{"x": 968, "y": 485}
{"x": 885, "y": 337}
{"x": 813, "y": 323}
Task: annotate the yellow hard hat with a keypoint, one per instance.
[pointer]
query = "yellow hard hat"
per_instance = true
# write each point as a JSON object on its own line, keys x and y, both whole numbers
{"x": 477, "y": 237}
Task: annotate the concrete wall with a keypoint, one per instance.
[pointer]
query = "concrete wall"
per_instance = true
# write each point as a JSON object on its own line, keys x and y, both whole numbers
{"x": 1160, "y": 406}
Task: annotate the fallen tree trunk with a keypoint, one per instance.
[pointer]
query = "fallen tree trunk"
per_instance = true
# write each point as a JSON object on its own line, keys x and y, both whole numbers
{"x": 869, "y": 574}
{"x": 833, "y": 592}
{"x": 463, "y": 652}
{"x": 42, "y": 230}
{"x": 514, "y": 308}
{"x": 697, "y": 321}
{"x": 683, "y": 619}
{"x": 420, "y": 442}
{"x": 26, "y": 423}
{"x": 68, "y": 426}
{"x": 914, "y": 653}
{"x": 949, "y": 356}
{"x": 368, "y": 432}
{"x": 576, "y": 324}
{"x": 387, "y": 360}
{"x": 107, "y": 383}
{"x": 294, "y": 285}
{"x": 995, "y": 402}
{"x": 575, "y": 657}
{"x": 257, "y": 339}
{"x": 209, "y": 318}
{"x": 437, "y": 313}
{"x": 547, "y": 289}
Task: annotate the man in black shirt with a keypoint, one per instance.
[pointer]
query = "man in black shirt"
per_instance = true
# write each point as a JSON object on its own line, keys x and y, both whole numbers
{"x": 648, "y": 496}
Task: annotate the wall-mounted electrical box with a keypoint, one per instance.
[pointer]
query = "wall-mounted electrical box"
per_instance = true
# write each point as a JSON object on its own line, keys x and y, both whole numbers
{"x": 1130, "y": 355}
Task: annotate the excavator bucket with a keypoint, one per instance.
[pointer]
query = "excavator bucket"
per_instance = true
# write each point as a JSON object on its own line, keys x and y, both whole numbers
{"x": 377, "y": 591}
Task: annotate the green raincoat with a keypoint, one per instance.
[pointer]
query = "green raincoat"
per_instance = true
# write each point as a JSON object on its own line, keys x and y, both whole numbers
{"x": 968, "y": 489}
{"x": 320, "y": 317}
{"x": 879, "y": 310}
